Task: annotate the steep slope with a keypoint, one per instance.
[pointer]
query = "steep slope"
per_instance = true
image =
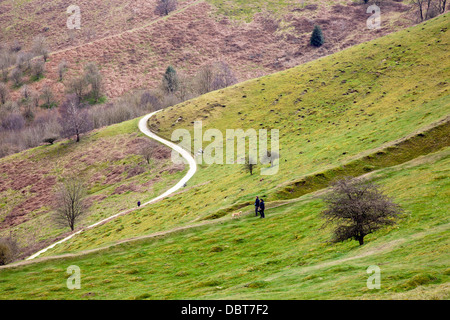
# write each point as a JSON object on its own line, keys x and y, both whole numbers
{"x": 363, "y": 106}
{"x": 107, "y": 160}
{"x": 330, "y": 112}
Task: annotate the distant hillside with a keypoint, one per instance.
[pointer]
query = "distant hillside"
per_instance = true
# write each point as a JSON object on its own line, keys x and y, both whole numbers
{"x": 108, "y": 161}
{"x": 133, "y": 49}
{"x": 331, "y": 113}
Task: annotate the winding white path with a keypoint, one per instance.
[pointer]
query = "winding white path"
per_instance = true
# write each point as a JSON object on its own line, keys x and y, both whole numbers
{"x": 185, "y": 154}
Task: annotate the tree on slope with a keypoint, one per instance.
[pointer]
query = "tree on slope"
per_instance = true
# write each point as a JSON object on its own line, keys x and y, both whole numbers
{"x": 358, "y": 208}
{"x": 73, "y": 118}
{"x": 40, "y": 47}
{"x": 70, "y": 202}
{"x": 170, "y": 80}
{"x": 317, "y": 37}
{"x": 164, "y": 7}
{"x": 94, "y": 79}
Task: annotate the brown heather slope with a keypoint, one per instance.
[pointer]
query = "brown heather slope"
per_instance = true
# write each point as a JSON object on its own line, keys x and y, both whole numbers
{"x": 197, "y": 34}
{"x": 106, "y": 160}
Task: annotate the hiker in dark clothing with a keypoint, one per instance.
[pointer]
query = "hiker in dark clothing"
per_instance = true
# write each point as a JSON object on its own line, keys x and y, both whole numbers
{"x": 256, "y": 206}
{"x": 261, "y": 208}
{"x": 139, "y": 203}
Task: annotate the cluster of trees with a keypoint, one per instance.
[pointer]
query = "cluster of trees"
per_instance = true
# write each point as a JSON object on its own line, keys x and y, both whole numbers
{"x": 425, "y": 9}
{"x": 16, "y": 63}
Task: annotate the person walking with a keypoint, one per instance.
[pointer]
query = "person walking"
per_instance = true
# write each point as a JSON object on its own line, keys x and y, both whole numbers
{"x": 256, "y": 206}
{"x": 139, "y": 203}
{"x": 261, "y": 208}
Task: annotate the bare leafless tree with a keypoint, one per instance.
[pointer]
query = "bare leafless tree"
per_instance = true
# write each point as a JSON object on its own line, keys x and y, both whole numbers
{"x": 149, "y": 101}
{"x": 442, "y": 5}
{"x": 25, "y": 92}
{"x": 185, "y": 87}
{"x": 149, "y": 150}
{"x": 74, "y": 118}
{"x": 427, "y": 9}
{"x": 77, "y": 86}
{"x": 7, "y": 59}
{"x": 250, "y": 164}
{"x": 204, "y": 79}
{"x": 9, "y": 250}
{"x": 358, "y": 208}
{"x": 37, "y": 69}
{"x": 70, "y": 202}
{"x": 4, "y": 93}
{"x": 164, "y": 7}
{"x": 418, "y": 4}
{"x": 47, "y": 96}
{"x": 16, "y": 76}
{"x": 23, "y": 60}
{"x": 35, "y": 98}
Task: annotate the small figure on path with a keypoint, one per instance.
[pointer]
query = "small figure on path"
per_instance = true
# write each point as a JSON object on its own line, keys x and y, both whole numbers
{"x": 256, "y": 206}
{"x": 139, "y": 203}
{"x": 261, "y": 208}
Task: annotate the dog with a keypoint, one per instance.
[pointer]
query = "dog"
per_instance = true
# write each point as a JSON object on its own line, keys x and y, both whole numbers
{"x": 236, "y": 215}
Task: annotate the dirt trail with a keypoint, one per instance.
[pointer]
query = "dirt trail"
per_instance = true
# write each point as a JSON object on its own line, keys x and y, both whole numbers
{"x": 143, "y": 127}
{"x": 385, "y": 247}
{"x": 185, "y": 154}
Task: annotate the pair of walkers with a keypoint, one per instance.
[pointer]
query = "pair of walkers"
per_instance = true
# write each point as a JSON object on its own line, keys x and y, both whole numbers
{"x": 259, "y": 207}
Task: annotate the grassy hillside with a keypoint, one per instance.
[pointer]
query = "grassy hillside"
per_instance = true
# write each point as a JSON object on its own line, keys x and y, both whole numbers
{"x": 332, "y": 113}
{"x": 107, "y": 160}
{"x": 254, "y": 37}
{"x": 285, "y": 256}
